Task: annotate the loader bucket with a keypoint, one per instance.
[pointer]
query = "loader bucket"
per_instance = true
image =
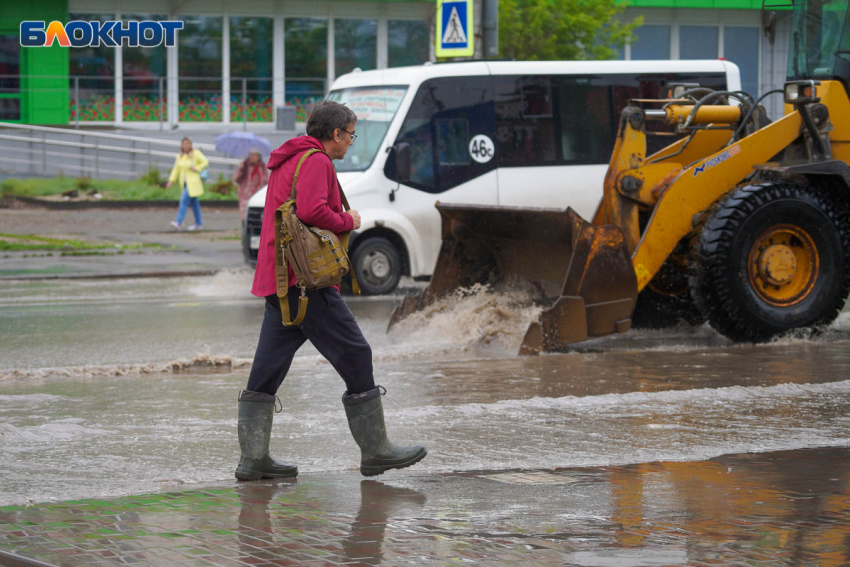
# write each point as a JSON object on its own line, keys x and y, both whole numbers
{"x": 583, "y": 274}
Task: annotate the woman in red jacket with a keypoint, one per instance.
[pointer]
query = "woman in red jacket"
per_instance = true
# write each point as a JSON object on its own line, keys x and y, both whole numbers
{"x": 328, "y": 324}
{"x": 250, "y": 177}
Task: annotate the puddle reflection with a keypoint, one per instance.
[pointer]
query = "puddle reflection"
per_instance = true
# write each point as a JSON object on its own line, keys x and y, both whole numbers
{"x": 264, "y": 510}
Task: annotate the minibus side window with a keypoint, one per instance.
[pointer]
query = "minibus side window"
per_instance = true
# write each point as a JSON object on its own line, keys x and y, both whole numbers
{"x": 444, "y": 117}
{"x": 525, "y": 123}
{"x": 587, "y": 126}
{"x": 573, "y": 119}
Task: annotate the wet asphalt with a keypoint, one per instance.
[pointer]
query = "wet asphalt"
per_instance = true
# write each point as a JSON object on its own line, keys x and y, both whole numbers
{"x": 672, "y": 447}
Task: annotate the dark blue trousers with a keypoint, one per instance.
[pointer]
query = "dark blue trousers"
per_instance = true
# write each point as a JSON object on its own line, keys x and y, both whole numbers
{"x": 332, "y": 329}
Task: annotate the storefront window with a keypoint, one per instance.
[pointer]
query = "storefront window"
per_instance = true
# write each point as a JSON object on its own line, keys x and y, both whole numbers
{"x": 698, "y": 42}
{"x": 306, "y": 52}
{"x": 355, "y": 45}
{"x": 144, "y": 71}
{"x": 653, "y": 42}
{"x": 92, "y": 77}
{"x": 741, "y": 46}
{"x": 408, "y": 42}
{"x": 10, "y": 64}
{"x": 10, "y": 82}
{"x": 199, "y": 55}
{"x": 251, "y": 41}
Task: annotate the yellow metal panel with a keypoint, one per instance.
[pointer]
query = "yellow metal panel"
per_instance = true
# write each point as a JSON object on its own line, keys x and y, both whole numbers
{"x": 705, "y": 142}
{"x": 627, "y": 156}
{"x": 702, "y": 184}
{"x": 654, "y": 177}
{"x": 834, "y": 96}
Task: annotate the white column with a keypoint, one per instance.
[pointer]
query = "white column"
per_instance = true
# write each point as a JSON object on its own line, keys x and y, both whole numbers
{"x": 225, "y": 69}
{"x": 674, "y": 40}
{"x": 720, "y": 39}
{"x": 119, "y": 77}
{"x": 278, "y": 59}
{"x": 383, "y": 41}
{"x": 172, "y": 88}
{"x": 432, "y": 34}
{"x": 331, "y": 74}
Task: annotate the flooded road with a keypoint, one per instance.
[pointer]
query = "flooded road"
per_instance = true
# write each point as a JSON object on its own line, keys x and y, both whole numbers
{"x": 121, "y": 387}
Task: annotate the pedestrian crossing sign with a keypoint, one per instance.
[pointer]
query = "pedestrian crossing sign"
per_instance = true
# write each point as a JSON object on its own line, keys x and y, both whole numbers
{"x": 455, "y": 36}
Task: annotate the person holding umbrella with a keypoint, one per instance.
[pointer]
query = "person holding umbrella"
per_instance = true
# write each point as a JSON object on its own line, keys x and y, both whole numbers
{"x": 188, "y": 166}
{"x": 251, "y": 176}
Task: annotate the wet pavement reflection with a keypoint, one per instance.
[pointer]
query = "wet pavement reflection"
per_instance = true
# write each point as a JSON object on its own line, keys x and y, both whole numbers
{"x": 783, "y": 508}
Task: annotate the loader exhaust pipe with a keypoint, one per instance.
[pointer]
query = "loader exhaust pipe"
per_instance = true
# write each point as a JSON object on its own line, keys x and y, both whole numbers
{"x": 582, "y": 274}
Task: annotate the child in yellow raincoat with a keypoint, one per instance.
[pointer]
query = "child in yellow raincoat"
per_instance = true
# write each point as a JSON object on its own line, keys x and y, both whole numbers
{"x": 188, "y": 166}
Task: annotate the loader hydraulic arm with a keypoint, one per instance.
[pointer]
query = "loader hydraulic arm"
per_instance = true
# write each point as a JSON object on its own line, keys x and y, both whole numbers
{"x": 682, "y": 180}
{"x": 634, "y": 182}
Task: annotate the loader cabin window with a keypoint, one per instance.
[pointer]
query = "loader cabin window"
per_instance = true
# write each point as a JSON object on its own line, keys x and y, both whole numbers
{"x": 532, "y": 121}
{"x": 820, "y": 43}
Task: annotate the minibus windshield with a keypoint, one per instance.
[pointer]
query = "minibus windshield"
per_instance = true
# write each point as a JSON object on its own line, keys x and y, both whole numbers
{"x": 375, "y": 108}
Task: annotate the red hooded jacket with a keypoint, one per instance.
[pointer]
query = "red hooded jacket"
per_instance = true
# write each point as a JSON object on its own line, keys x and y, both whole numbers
{"x": 317, "y": 201}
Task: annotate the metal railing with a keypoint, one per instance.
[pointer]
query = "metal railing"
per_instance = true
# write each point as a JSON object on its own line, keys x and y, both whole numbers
{"x": 198, "y": 99}
{"x": 43, "y": 150}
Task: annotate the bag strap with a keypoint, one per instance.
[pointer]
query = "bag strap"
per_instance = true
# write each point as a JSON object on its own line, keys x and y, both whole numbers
{"x": 355, "y": 286}
{"x": 301, "y": 161}
{"x": 282, "y": 276}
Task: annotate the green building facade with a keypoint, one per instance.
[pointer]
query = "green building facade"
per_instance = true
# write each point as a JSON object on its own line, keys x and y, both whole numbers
{"x": 33, "y": 81}
{"x": 238, "y": 61}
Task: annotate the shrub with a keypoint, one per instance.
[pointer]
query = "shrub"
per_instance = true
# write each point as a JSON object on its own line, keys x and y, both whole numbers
{"x": 82, "y": 184}
{"x": 153, "y": 177}
{"x": 222, "y": 186}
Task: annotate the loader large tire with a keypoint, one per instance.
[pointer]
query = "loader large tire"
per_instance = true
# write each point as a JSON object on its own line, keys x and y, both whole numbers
{"x": 772, "y": 257}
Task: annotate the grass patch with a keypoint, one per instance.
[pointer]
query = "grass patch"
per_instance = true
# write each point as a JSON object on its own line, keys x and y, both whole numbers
{"x": 27, "y": 242}
{"x": 111, "y": 189}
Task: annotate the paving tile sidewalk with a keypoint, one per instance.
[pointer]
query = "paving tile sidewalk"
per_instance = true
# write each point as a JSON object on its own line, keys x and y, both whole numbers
{"x": 787, "y": 508}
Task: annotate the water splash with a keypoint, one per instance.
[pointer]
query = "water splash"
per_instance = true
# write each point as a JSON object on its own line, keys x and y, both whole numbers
{"x": 473, "y": 317}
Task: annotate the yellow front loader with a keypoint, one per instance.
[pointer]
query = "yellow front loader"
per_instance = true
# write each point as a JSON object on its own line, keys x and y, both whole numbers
{"x": 742, "y": 222}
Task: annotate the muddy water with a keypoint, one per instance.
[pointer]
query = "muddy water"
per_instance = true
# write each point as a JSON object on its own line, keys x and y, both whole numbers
{"x": 122, "y": 387}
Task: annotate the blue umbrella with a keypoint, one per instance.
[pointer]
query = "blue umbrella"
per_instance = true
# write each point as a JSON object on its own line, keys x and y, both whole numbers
{"x": 237, "y": 144}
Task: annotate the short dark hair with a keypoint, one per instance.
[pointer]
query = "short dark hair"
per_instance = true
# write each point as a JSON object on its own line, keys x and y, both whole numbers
{"x": 326, "y": 117}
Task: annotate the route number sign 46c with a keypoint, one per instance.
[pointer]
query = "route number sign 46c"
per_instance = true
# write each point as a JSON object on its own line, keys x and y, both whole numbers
{"x": 481, "y": 148}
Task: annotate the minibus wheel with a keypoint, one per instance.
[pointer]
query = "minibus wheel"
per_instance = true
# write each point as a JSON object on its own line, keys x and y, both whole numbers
{"x": 377, "y": 265}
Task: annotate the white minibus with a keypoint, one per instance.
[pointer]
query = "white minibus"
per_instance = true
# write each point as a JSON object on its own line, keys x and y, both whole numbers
{"x": 532, "y": 134}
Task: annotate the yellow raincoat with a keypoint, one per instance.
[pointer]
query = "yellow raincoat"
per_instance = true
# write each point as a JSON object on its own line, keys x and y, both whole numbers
{"x": 182, "y": 170}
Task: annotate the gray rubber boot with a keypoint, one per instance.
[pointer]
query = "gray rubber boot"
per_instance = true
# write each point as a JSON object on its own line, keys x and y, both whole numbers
{"x": 256, "y": 411}
{"x": 377, "y": 453}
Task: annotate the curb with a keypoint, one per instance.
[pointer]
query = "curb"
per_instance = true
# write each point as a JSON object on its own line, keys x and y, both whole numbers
{"x": 77, "y": 205}
{"x": 123, "y": 276}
